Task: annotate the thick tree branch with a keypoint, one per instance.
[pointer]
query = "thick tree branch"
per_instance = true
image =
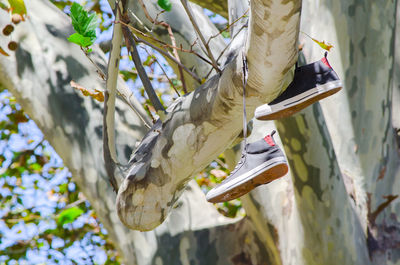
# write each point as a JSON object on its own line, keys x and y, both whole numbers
{"x": 109, "y": 152}
{"x": 190, "y": 136}
{"x": 272, "y": 43}
{"x": 131, "y": 46}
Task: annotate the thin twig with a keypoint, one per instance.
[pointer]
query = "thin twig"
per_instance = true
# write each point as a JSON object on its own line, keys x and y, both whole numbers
{"x": 196, "y": 27}
{"x": 131, "y": 46}
{"x": 163, "y": 44}
{"x": 226, "y": 47}
{"x": 227, "y": 27}
{"x": 373, "y": 215}
{"x": 162, "y": 69}
{"x": 171, "y": 36}
{"x": 98, "y": 70}
{"x": 75, "y": 203}
{"x": 159, "y": 78}
{"x": 146, "y": 106}
{"x": 166, "y": 54}
{"x": 175, "y": 52}
{"x": 220, "y": 162}
{"x": 124, "y": 93}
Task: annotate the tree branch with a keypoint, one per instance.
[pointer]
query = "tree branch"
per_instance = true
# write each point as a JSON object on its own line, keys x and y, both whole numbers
{"x": 164, "y": 44}
{"x": 109, "y": 152}
{"x": 228, "y": 47}
{"x": 280, "y": 30}
{"x": 165, "y": 74}
{"x": 184, "y": 33}
{"x": 164, "y": 53}
{"x": 173, "y": 42}
{"x": 124, "y": 92}
{"x": 227, "y": 27}
{"x": 131, "y": 46}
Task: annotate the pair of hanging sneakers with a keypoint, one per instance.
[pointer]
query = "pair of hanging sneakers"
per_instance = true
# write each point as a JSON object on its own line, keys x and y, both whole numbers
{"x": 263, "y": 161}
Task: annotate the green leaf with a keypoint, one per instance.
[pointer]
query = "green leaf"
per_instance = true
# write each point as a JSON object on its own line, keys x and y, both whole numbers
{"x": 3, "y": 6}
{"x": 149, "y": 61}
{"x": 69, "y": 215}
{"x": 36, "y": 167}
{"x": 17, "y": 6}
{"x": 83, "y": 23}
{"x": 80, "y": 40}
{"x": 165, "y": 4}
{"x": 225, "y": 34}
{"x": 63, "y": 187}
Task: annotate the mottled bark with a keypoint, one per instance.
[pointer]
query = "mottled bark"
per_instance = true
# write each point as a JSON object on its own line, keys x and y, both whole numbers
{"x": 202, "y": 124}
{"x": 359, "y": 118}
{"x": 272, "y": 44}
{"x": 38, "y": 75}
{"x": 359, "y": 124}
{"x": 396, "y": 75}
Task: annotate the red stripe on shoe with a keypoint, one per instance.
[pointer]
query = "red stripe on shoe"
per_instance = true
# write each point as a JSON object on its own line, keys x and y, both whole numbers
{"x": 325, "y": 61}
{"x": 269, "y": 140}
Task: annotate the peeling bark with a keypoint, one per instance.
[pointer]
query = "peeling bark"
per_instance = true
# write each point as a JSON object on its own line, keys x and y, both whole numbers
{"x": 202, "y": 124}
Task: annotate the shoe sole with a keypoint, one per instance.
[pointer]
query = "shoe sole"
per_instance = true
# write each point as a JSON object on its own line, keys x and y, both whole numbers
{"x": 245, "y": 184}
{"x": 294, "y": 105}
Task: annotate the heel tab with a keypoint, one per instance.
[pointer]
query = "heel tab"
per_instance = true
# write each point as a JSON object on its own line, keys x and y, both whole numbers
{"x": 269, "y": 138}
{"x": 325, "y": 60}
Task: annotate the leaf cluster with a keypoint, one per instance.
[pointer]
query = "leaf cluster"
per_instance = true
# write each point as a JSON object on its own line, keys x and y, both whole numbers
{"x": 84, "y": 24}
{"x": 165, "y": 4}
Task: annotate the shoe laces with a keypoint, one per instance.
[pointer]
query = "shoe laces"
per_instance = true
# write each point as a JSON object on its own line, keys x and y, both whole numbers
{"x": 242, "y": 158}
{"x": 240, "y": 163}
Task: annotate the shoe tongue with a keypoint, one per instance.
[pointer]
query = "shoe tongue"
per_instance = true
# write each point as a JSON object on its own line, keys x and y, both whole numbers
{"x": 257, "y": 147}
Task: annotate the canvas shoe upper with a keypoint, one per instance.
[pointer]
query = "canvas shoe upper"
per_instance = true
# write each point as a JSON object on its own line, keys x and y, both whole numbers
{"x": 261, "y": 162}
{"x": 311, "y": 83}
